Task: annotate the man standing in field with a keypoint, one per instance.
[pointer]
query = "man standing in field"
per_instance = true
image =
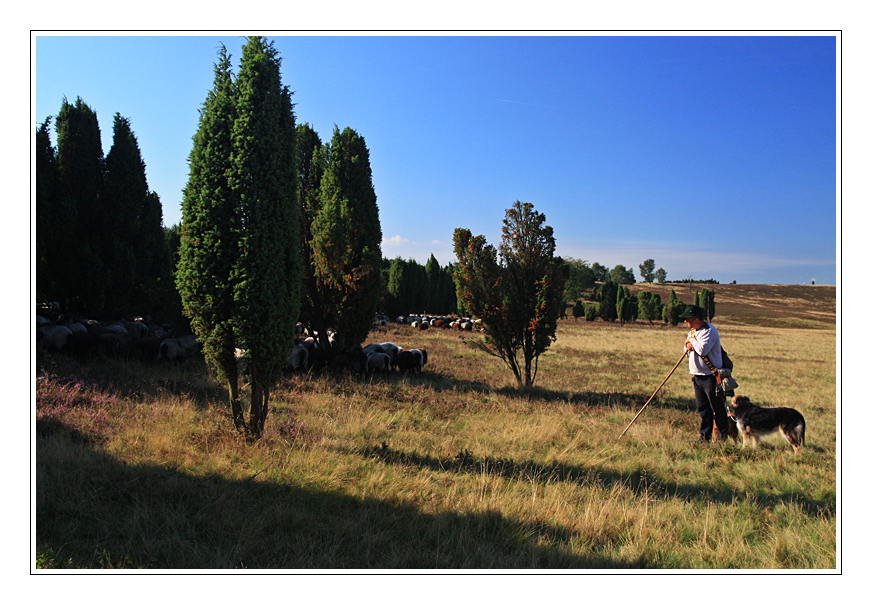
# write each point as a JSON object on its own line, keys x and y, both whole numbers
{"x": 703, "y": 340}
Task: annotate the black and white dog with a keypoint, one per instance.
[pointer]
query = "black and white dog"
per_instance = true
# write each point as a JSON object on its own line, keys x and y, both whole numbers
{"x": 755, "y": 422}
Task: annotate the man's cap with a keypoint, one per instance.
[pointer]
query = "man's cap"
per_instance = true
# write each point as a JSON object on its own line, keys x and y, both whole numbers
{"x": 693, "y": 311}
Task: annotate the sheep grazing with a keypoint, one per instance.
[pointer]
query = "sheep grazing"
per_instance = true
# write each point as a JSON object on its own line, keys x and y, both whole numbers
{"x": 411, "y": 360}
{"x": 299, "y": 358}
{"x": 77, "y": 328}
{"x": 420, "y": 356}
{"x": 55, "y": 337}
{"x": 357, "y": 359}
{"x": 373, "y": 348}
{"x": 117, "y": 329}
{"x": 174, "y": 349}
{"x": 378, "y": 362}
{"x": 391, "y": 349}
{"x": 136, "y": 329}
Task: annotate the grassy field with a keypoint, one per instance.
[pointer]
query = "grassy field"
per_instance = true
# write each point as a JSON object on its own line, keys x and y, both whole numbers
{"x": 139, "y": 466}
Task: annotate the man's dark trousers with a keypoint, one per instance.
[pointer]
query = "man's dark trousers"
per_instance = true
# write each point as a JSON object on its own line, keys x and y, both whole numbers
{"x": 710, "y": 406}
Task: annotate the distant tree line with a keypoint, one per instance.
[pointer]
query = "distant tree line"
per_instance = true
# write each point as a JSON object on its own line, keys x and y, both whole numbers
{"x": 612, "y": 302}
{"x": 408, "y": 287}
{"x": 584, "y": 275}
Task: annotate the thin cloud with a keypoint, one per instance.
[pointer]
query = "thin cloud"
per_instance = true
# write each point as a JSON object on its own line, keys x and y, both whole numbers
{"x": 520, "y": 103}
{"x": 396, "y": 240}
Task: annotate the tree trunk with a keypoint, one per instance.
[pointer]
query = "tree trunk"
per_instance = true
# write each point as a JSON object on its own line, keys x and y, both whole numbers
{"x": 236, "y": 405}
{"x": 259, "y": 405}
{"x": 255, "y": 421}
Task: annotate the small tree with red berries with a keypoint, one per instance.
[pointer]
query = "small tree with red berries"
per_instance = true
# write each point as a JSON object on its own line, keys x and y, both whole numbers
{"x": 517, "y": 293}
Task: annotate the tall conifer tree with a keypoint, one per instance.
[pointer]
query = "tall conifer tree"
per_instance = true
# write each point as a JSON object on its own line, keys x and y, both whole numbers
{"x": 346, "y": 239}
{"x": 153, "y": 285}
{"x": 80, "y": 181}
{"x": 313, "y": 311}
{"x": 239, "y": 272}
{"x": 210, "y": 229}
{"x": 49, "y": 250}
{"x": 124, "y": 197}
{"x": 267, "y": 274}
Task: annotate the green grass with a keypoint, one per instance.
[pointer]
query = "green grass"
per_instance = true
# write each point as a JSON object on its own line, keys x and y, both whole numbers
{"x": 139, "y": 466}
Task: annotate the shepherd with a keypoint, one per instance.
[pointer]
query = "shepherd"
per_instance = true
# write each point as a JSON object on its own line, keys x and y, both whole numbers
{"x": 702, "y": 342}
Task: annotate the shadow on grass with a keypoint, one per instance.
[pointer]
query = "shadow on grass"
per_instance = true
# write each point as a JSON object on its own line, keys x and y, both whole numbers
{"x": 642, "y": 481}
{"x": 632, "y": 401}
{"x": 94, "y": 511}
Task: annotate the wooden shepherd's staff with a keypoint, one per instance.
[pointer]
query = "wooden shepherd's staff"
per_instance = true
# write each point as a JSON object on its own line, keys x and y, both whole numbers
{"x": 680, "y": 359}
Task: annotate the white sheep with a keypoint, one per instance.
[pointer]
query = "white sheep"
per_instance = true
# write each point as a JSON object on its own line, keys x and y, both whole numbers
{"x": 391, "y": 349}
{"x": 420, "y": 358}
{"x": 378, "y": 362}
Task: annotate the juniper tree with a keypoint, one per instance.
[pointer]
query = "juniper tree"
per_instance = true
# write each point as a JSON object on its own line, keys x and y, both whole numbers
{"x": 627, "y": 305}
{"x": 517, "y": 295}
{"x": 153, "y": 286}
{"x": 434, "y": 295}
{"x": 673, "y": 309}
{"x": 210, "y": 233}
{"x": 52, "y": 228}
{"x": 267, "y": 272}
{"x": 346, "y": 238}
{"x": 590, "y": 312}
{"x": 404, "y": 282}
{"x": 650, "y": 307}
{"x": 578, "y": 309}
{"x": 239, "y": 272}
{"x": 707, "y": 302}
{"x": 80, "y": 165}
{"x": 607, "y": 308}
{"x": 314, "y": 312}
{"x": 123, "y": 201}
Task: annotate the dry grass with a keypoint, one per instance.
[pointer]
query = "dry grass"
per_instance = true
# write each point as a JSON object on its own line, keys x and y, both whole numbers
{"x": 454, "y": 468}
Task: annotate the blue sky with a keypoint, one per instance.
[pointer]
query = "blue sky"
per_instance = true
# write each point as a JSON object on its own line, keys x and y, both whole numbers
{"x": 714, "y": 155}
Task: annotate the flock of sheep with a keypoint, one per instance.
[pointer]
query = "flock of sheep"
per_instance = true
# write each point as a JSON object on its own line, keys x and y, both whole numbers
{"x": 137, "y": 339}
{"x": 374, "y": 358}
{"x": 424, "y": 322}
{"x": 141, "y": 340}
